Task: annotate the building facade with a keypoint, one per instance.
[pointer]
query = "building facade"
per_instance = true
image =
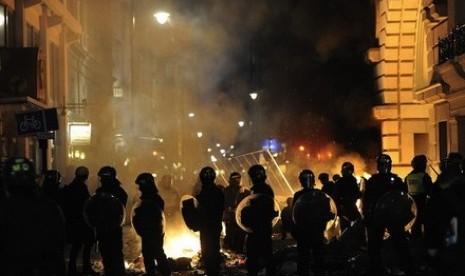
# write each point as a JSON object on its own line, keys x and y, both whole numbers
{"x": 420, "y": 81}
{"x": 71, "y": 51}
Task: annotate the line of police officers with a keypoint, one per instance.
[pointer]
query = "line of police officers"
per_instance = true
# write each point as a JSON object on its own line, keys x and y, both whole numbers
{"x": 32, "y": 228}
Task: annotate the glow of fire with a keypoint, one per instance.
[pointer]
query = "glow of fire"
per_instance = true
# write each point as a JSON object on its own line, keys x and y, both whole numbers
{"x": 185, "y": 244}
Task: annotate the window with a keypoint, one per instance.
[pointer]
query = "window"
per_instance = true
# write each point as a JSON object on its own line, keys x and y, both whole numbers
{"x": 442, "y": 129}
{"x": 33, "y": 38}
{"x": 3, "y": 26}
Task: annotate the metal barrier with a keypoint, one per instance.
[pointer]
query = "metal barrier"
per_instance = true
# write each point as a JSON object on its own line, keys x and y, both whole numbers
{"x": 241, "y": 163}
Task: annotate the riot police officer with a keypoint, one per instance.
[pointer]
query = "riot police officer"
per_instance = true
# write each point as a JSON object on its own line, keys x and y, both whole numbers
{"x": 378, "y": 185}
{"x": 148, "y": 221}
{"x": 444, "y": 209}
{"x": 311, "y": 213}
{"x": 79, "y": 234}
{"x": 346, "y": 195}
{"x": 51, "y": 187}
{"x": 211, "y": 201}
{"x": 234, "y": 238}
{"x": 32, "y": 227}
{"x": 419, "y": 186}
{"x": 259, "y": 242}
{"x": 110, "y": 235}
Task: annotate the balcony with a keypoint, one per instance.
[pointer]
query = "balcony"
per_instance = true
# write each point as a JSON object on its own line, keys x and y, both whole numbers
{"x": 452, "y": 45}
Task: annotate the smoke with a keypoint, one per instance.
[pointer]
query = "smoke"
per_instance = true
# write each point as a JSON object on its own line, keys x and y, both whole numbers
{"x": 306, "y": 58}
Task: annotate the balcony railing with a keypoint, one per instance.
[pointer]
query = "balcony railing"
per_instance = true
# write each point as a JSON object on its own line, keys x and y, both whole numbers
{"x": 452, "y": 45}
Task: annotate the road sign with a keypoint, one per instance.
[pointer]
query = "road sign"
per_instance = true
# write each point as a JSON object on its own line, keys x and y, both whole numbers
{"x": 36, "y": 121}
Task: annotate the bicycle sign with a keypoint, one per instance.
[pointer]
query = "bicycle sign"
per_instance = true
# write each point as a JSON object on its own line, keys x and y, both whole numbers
{"x": 30, "y": 122}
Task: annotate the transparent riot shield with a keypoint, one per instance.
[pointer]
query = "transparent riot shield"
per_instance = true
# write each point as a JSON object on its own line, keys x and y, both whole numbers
{"x": 103, "y": 210}
{"x": 256, "y": 210}
{"x": 312, "y": 206}
{"x": 395, "y": 208}
{"x": 147, "y": 218}
{"x": 191, "y": 212}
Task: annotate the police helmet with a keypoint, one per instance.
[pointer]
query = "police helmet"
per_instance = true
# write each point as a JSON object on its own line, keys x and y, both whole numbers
{"x": 234, "y": 175}
{"x": 257, "y": 173}
{"x": 145, "y": 179}
{"x": 82, "y": 172}
{"x": 307, "y": 178}
{"x": 384, "y": 163}
{"x": 207, "y": 175}
{"x": 107, "y": 172}
{"x": 347, "y": 169}
{"x": 19, "y": 171}
{"x": 419, "y": 162}
{"x": 323, "y": 177}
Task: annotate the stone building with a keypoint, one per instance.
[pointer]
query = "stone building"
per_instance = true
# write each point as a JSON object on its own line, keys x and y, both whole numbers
{"x": 420, "y": 72}
{"x": 60, "y": 55}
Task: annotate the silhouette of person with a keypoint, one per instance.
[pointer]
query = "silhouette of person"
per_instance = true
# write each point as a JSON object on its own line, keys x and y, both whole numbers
{"x": 51, "y": 187}
{"x": 378, "y": 185}
{"x": 286, "y": 218}
{"x": 110, "y": 234}
{"x": 79, "y": 233}
{"x": 148, "y": 221}
{"x": 259, "y": 243}
{"x": 446, "y": 205}
{"x": 346, "y": 194}
{"x": 419, "y": 186}
{"x": 211, "y": 201}
{"x": 234, "y": 238}
{"x": 310, "y": 224}
{"x": 32, "y": 227}
{"x": 327, "y": 186}
{"x": 170, "y": 194}
{"x": 336, "y": 177}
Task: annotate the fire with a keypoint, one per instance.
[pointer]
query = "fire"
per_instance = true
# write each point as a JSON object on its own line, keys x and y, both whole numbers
{"x": 183, "y": 244}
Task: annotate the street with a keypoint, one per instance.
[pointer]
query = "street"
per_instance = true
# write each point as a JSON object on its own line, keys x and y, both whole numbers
{"x": 345, "y": 256}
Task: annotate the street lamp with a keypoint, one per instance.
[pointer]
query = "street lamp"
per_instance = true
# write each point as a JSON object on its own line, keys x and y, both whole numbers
{"x": 162, "y": 17}
{"x": 253, "y": 95}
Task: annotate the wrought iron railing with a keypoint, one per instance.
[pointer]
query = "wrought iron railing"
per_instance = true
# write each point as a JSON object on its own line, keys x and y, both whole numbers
{"x": 452, "y": 45}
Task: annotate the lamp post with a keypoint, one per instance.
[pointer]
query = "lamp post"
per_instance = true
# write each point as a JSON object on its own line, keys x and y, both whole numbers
{"x": 141, "y": 22}
{"x": 254, "y": 122}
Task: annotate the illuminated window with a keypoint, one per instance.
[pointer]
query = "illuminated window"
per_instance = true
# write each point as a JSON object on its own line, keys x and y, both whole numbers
{"x": 118, "y": 92}
{"x": 3, "y": 17}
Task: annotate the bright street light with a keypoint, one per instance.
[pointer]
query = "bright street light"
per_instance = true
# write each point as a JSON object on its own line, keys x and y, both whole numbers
{"x": 162, "y": 17}
{"x": 253, "y": 95}
{"x": 240, "y": 123}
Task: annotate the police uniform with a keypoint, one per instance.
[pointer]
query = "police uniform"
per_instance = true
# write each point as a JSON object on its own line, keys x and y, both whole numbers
{"x": 378, "y": 185}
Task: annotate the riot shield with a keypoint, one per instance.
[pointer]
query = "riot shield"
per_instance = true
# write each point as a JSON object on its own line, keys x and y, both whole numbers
{"x": 312, "y": 206}
{"x": 257, "y": 210}
{"x": 191, "y": 212}
{"x": 103, "y": 210}
{"x": 395, "y": 208}
{"x": 147, "y": 218}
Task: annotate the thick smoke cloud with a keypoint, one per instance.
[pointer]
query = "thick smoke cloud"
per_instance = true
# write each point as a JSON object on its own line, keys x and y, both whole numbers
{"x": 305, "y": 57}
